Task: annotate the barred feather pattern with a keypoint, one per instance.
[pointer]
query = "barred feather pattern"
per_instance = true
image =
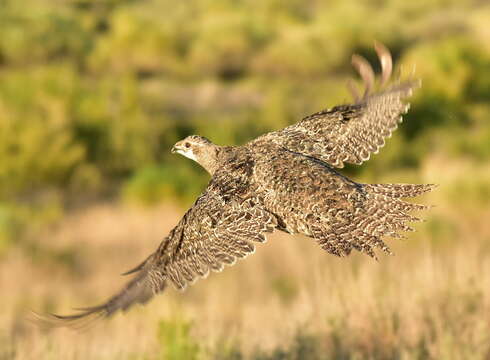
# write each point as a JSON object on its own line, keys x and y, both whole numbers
{"x": 363, "y": 228}
{"x": 222, "y": 237}
{"x": 284, "y": 180}
{"x": 310, "y": 197}
{"x": 220, "y": 228}
{"x": 351, "y": 133}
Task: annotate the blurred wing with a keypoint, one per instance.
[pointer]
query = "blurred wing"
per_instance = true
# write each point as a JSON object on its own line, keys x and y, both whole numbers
{"x": 219, "y": 229}
{"x": 350, "y": 133}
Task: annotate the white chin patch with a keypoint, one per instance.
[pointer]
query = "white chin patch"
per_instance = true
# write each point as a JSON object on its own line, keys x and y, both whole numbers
{"x": 188, "y": 154}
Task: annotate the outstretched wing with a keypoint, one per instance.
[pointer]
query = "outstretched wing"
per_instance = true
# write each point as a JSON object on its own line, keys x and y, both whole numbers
{"x": 220, "y": 228}
{"x": 351, "y": 133}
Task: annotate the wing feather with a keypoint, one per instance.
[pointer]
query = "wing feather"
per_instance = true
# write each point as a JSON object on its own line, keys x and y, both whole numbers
{"x": 219, "y": 229}
{"x": 351, "y": 133}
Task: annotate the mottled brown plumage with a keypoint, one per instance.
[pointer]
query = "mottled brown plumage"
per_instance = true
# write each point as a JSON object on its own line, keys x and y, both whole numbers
{"x": 283, "y": 180}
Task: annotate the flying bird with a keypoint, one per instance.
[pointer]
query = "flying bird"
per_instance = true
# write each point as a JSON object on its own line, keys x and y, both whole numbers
{"x": 284, "y": 180}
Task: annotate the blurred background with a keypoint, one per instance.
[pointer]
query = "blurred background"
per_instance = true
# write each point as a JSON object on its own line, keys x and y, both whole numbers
{"x": 93, "y": 94}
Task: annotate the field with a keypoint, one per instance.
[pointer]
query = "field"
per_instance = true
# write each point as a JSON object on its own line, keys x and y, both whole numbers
{"x": 93, "y": 94}
{"x": 431, "y": 300}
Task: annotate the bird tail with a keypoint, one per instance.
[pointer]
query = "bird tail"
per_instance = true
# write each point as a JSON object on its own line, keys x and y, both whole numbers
{"x": 389, "y": 211}
{"x": 386, "y": 214}
{"x": 380, "y": 212}
{"x": 397, "y": 191}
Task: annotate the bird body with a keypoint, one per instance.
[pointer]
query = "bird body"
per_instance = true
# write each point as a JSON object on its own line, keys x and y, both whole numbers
{"x": 284, "y": 180}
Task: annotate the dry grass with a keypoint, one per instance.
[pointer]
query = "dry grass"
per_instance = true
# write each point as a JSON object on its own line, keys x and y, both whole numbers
{"x": 288, "y": 301}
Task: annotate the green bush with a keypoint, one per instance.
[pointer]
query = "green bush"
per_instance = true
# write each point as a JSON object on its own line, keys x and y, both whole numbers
{"x": 176, "y": 340}
{"x": 94, "y": 94}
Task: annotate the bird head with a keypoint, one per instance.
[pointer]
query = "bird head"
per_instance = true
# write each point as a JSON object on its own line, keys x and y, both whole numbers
{"x": 191, "y": 146}
{"x": 199, "y": 149}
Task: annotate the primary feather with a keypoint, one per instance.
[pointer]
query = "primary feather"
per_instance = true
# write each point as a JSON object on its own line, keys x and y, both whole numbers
{"x": 283, "y": 180}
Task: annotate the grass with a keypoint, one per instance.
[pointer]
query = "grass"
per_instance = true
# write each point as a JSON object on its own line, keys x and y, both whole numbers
{"x": 288, "y": 301}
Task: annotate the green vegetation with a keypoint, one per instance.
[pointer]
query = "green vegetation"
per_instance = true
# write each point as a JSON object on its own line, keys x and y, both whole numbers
{"x": 176, "y": 340}
{"x": 94, "y": 93}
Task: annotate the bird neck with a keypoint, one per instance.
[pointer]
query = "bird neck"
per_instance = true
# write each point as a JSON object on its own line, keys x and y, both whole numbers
{"x": 208, "y": 158}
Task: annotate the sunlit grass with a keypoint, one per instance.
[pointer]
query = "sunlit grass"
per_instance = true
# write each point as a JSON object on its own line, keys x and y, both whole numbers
{"x": 93, "y": 94}
{"x": 288, "y": 301}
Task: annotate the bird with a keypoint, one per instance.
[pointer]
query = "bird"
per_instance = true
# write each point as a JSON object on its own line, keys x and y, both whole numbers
{"x": 286, "y": 180}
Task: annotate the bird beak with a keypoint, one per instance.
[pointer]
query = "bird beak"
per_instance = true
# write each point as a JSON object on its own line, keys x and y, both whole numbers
{"x": 174, "y": 150}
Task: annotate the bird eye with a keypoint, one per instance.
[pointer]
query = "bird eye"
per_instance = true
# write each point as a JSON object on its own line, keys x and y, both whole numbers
{"x": 187, "y": 145}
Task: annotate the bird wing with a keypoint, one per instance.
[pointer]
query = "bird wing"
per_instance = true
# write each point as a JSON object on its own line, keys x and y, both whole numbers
{"x": 220, "y": 228}
{"x": 312, "y": 198}
{"x": 350, "y": 133}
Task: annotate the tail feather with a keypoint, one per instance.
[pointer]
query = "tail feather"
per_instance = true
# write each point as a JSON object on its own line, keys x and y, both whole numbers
{"x": 387, "y": 212}
{"x": 397, "y": 204}
{"x": 380, "y": 214}
{"x": 399, "y": 190}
